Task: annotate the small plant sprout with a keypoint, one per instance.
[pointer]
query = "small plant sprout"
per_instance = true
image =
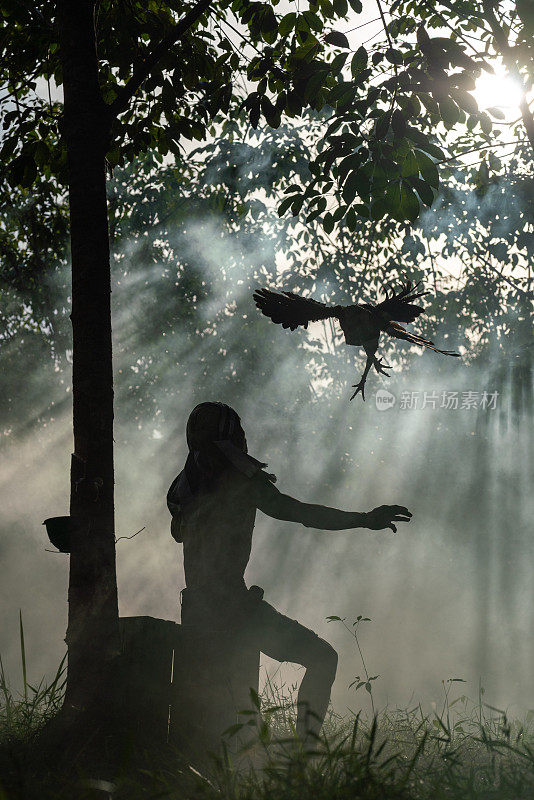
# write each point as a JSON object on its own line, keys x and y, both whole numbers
{"x": 358, "y": 681}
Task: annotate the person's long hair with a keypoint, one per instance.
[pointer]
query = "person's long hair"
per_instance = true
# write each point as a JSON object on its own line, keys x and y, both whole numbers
{"x": 208, "y": 423}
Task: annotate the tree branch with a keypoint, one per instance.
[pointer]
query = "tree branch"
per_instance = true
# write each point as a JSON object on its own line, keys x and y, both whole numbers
{"x": 395, "y": 68}
{"x": 480, "y": 254}
{"x": 507, "y": 53}
{"x": 485, "y": 146}
{"x": 144, "y": 68}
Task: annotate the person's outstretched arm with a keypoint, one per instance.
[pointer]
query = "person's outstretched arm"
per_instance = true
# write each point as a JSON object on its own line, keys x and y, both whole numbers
{"x": 282, "y": 506}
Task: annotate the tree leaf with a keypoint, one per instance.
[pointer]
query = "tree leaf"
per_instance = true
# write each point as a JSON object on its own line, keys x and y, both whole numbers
{"x": 483, "y": 173}
{"x": 409, "y": 165}
{"x": 465, "y": 100}
{"x": 427, "y": 168}
{"x": 450, "y": 113}
{"x": 494, "y": 162}
{"x": 382, "y": 125}
{"x": 340, "y": 7}
{"x": 361, "y": 210}
{"x": 422, "y": 140}
{"x": 394, "y": 56}
{"x": 424, "y": 190}
{"x": 313, "y": 21}
{"x": 359, "y": 61}
{"x": 349, "y": 163}
{"x": 402, "y": 202}
{"x": 486, "y": 123}
{"x": 379, "y": 208}
{"x": 287, "y": 24}
{"x": 337, "y": 39}
{"x": 328, "y": 223}
{"x": 284, "y": 205}
{"x": 496, "y": 112}
{"x": 357, "y": 183}
{"x": 398, "y": 123}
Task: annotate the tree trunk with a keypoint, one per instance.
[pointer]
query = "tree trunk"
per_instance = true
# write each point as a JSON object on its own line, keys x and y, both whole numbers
{"x": 92, "y": 635}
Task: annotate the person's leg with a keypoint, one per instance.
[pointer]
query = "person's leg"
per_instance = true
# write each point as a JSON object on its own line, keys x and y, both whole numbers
{"x": 314, "y": 692}
{"x": 285, "y": 639}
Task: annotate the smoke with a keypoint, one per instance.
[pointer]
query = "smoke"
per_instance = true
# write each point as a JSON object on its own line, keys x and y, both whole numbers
{"x": 448, "y": 595}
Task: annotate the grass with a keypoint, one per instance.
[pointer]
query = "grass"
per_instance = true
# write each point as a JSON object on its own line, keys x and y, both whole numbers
{"x": 23, "y": 715}
{"x": 466, "y": 750}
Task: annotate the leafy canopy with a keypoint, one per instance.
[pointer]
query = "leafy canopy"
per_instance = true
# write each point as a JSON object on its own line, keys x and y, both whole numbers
{"x": 167, "y": 70}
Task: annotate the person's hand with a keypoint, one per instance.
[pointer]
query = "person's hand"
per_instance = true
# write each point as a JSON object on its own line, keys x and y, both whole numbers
{"x": 384, "y": 517}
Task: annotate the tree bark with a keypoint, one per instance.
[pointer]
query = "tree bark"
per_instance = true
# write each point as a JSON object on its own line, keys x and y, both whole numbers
{"x": 93, "y": 633}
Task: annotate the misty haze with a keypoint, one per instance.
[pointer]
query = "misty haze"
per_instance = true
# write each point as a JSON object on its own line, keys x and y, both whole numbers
{"x": 239, "y": 244}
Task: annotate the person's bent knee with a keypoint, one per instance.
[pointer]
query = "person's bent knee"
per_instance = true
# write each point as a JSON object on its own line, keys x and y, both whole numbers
{"x": 325, "y": 660}
{"x": 332, "y": 662}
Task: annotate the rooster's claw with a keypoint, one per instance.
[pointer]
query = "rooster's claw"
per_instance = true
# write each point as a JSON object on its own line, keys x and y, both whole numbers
{"x": 360, "y": 387}
{"x": 380, "y": 367}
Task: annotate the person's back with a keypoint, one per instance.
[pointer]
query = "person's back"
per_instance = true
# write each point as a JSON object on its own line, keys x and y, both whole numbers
{"x": 214, "y": 499}
{"x": 216, "y": 530}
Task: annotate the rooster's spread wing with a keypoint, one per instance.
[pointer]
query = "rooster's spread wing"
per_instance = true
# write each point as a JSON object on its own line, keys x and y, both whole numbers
{"x": 290, "y": 310}
{"x": 400, "y": 306}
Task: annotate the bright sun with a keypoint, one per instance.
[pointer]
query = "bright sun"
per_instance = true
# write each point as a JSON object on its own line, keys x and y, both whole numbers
{"x": 497, "y": 90}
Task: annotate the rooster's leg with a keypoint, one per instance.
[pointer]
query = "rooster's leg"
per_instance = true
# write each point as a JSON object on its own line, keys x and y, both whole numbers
{"x": 360, "y": 387}
{"x": 370, "y": 349}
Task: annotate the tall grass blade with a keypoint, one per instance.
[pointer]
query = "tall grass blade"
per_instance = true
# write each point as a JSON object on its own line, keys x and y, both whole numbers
{"x": 23, "y": 656}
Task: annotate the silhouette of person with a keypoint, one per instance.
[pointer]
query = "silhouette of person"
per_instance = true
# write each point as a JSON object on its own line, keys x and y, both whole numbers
{"x": 213, "y": 503}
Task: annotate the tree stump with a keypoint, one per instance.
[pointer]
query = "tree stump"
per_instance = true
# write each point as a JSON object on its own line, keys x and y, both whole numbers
{"x": 145, "y": 677}
{"x": 183, "y": 687}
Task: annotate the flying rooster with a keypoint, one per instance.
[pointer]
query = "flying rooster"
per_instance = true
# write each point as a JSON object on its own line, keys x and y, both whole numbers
{"x": 362, "y": 324}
